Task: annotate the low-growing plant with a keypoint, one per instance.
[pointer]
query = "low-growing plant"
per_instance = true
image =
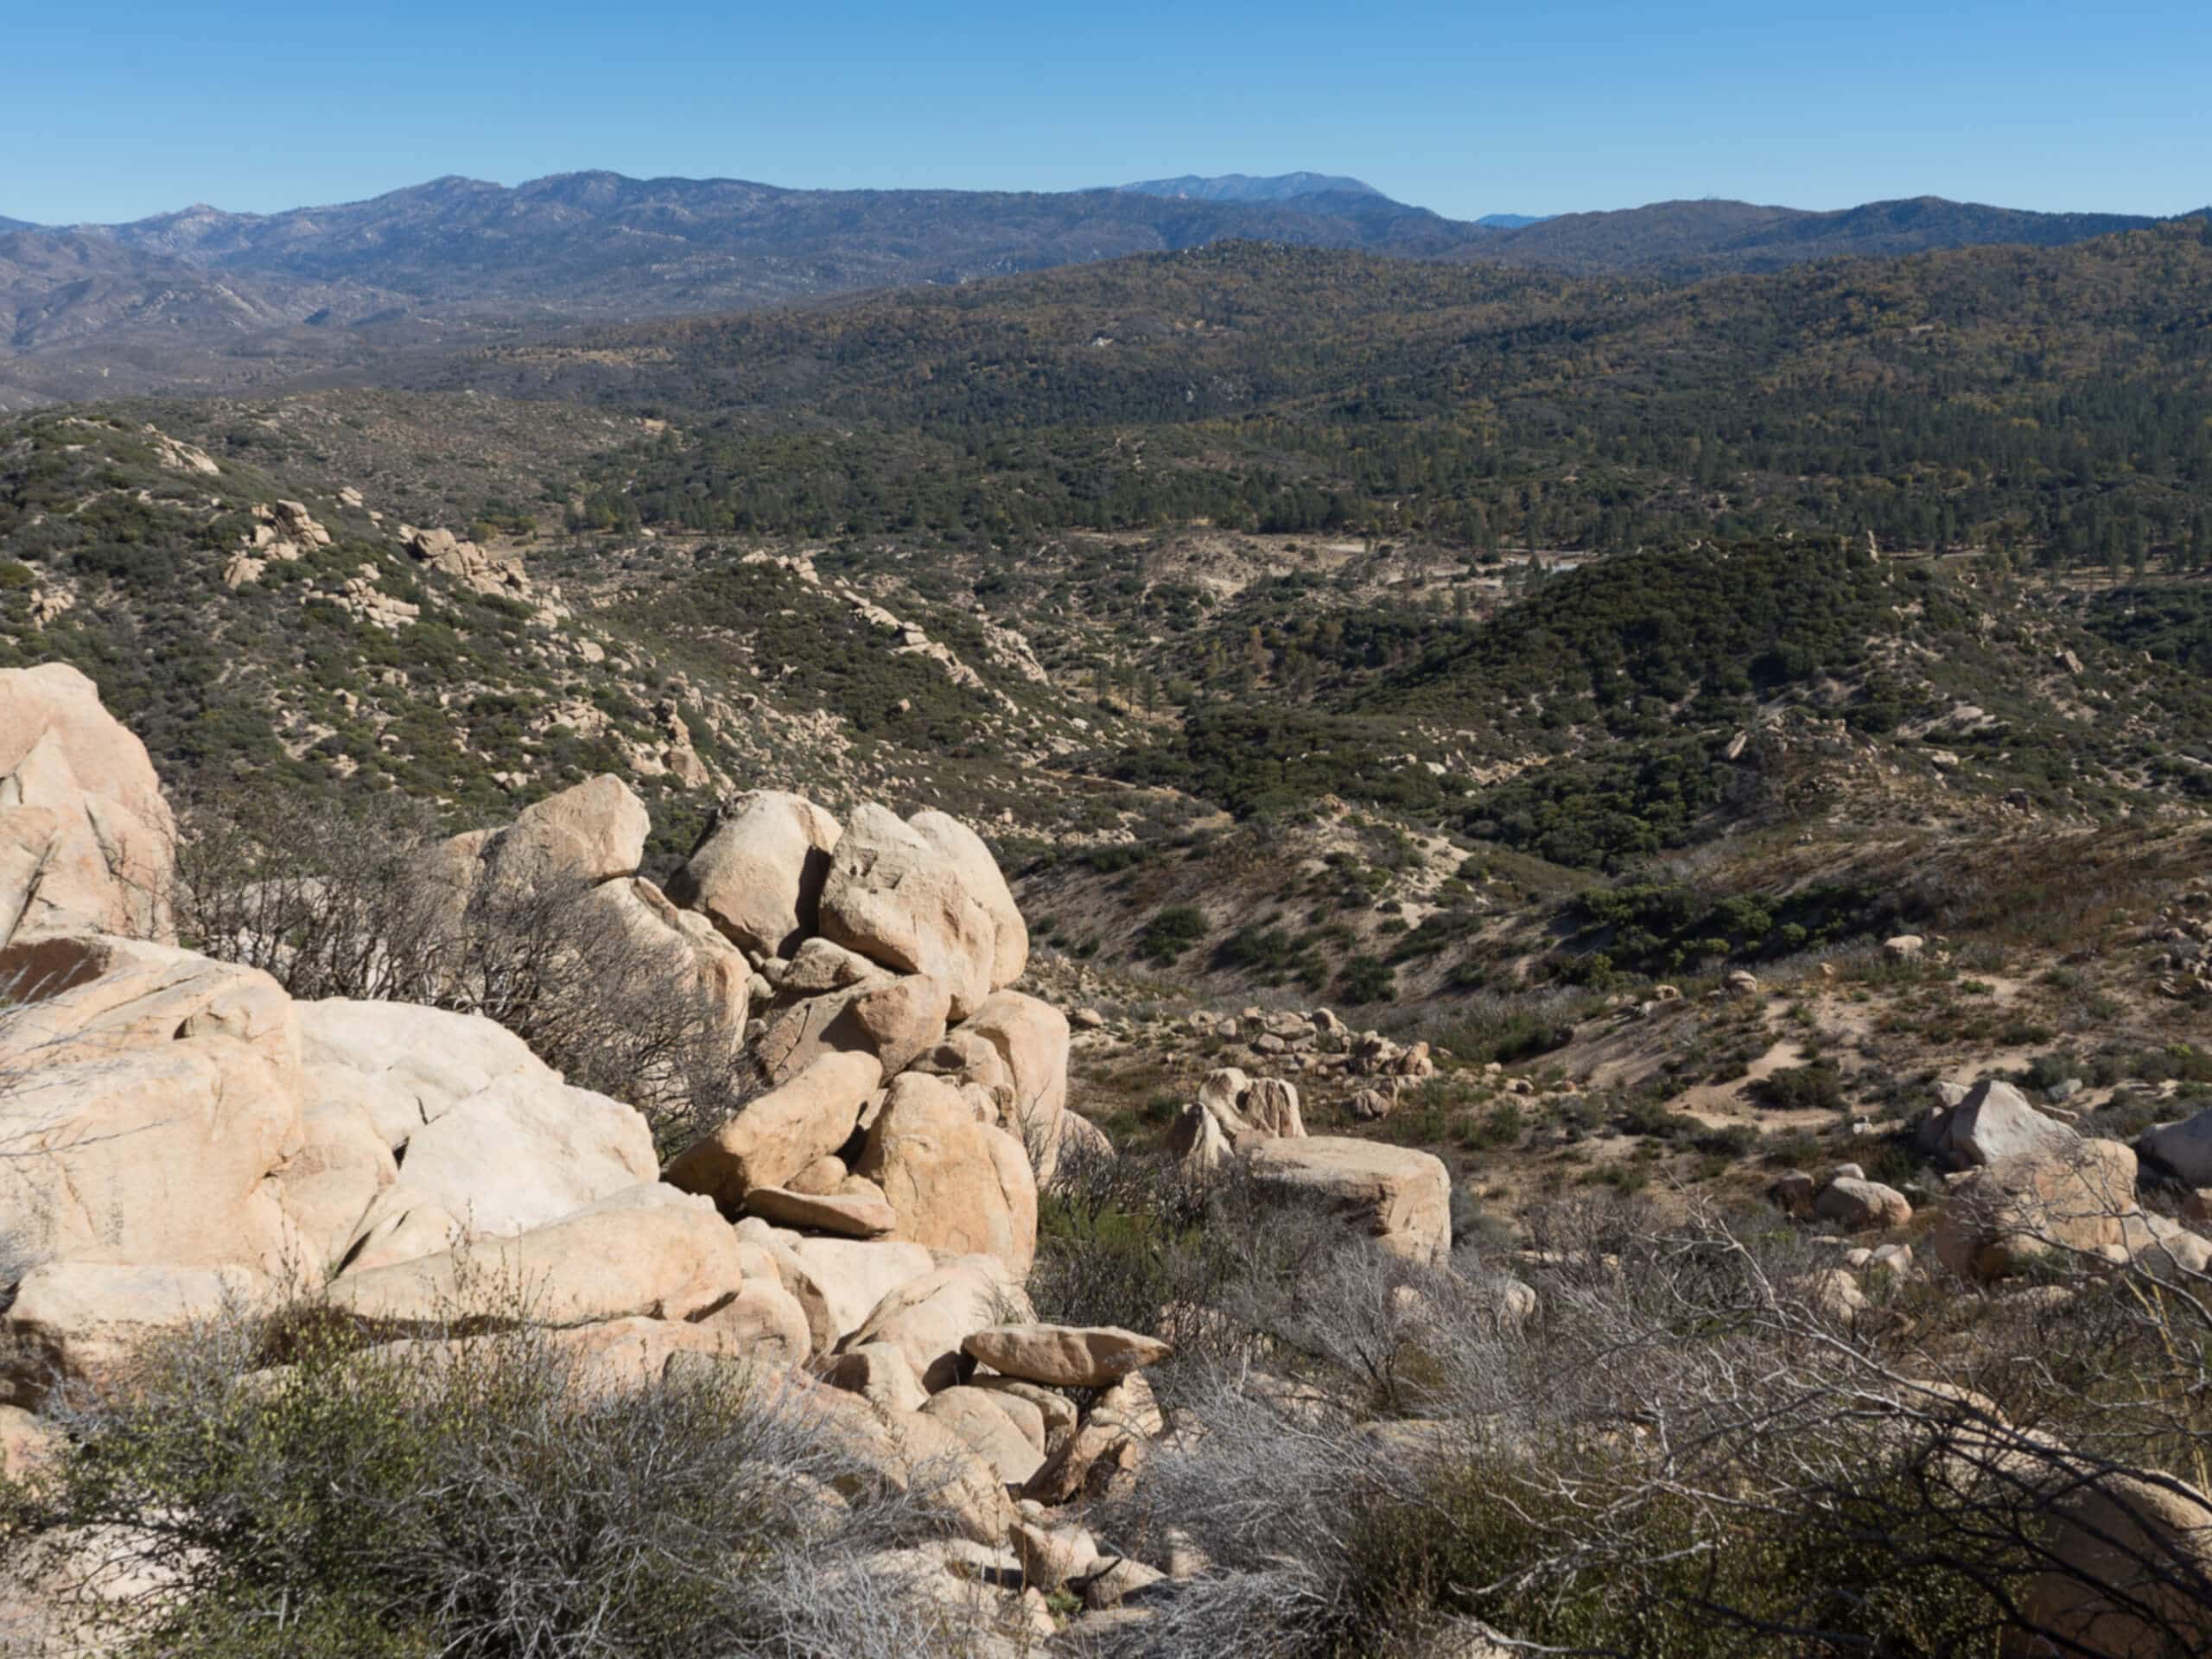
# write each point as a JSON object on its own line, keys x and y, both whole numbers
{"x": 489, "y": 1497}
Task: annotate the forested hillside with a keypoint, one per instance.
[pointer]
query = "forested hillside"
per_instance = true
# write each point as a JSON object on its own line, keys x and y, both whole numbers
{"x": 2046, "y": 402}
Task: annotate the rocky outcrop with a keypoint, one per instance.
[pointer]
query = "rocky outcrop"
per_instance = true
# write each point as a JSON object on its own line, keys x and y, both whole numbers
{"x": 154, "y": 1096}
{"x": 86, "y": 838}
{"x": 647, "y": 1252}
{"x": 953, "y": 1183}
{"x": 498, "y": 575}
{"x": 2184, "y": 1147}
{"x": 2073, "y": 1204}
{"x": 2126, "y": 1557}
{"x": 1993, "y": 1121}
{"x": 924, "y": 897}
{"x": 200, "y": 1141}
{"x": 1857, "y": 1204}
{"x": 780, "y": 1133}
{"x": 1065, "y": 1357}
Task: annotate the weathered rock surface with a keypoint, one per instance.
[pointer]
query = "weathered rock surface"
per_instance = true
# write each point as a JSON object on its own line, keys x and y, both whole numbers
{"x": 1065, "y": 1357}
{"x": 774, "y": 1136}
{"x": 2125, "y": 1555}
{"x": 759, "y": 873}
{"x": 982, "y": 1420}
{"x": 1862, "y": 1205}
{"x": 156, "y": 1095}
{"x": 924, "y": 898}
{"x": 1030, "y": 1039}
{"x": 414, "y": 1063}
{"x": 929, "y": 1317}
{"x": 81, "y": 1322}
{"x": 895, "y": 1020}
{"x": 954, "y": 1184}
{"x": 1994, "y": 1121}
{"x": 2022, "y": 1209}
{"x": 1399, "y": 1197}
{"x": 2184, "y": 1147}
{"x": 858, "y": 1214}
{"x": 86, "y": 837}
{"x": 517, "y": 1154}
{"x": 853, "y": 1275}
{"x": 648, "y": 1253}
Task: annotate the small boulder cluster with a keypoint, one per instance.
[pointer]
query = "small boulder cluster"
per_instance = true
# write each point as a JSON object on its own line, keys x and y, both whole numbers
{"x": 2182, "y": 935}
{"x": 1320, "y": 1045}
{"x": 2025, "y": 1188}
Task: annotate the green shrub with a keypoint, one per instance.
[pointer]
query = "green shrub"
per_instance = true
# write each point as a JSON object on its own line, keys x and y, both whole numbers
{"x": 1365, "y": 979}
{"x": 1801, "y": 1088}
{"x": 1169, "y": 933}
{"x": 486, "y": 1497}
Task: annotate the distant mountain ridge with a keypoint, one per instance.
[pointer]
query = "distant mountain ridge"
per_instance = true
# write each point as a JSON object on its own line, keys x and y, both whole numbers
{"x": 202, "y": 298}
{"x": 1686, "y": 240}
{"x": 1244, "y": 186}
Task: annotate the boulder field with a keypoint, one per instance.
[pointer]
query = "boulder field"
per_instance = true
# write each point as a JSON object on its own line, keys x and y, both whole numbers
{"x": 184, "y": 1137}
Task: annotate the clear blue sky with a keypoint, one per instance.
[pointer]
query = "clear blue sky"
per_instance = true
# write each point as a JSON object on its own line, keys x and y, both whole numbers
{"x": 110, "y": 112}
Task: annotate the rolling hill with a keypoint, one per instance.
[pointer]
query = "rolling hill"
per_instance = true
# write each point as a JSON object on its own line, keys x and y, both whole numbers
{"x": 202, "y": 299}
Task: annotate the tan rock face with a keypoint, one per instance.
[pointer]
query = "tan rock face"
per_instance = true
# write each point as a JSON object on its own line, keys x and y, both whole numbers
{"x": 879, "y": 1373}
{"x": 2032, "y": 1206}
{"x": 1270, "y": 1106}
{"x": 1065, "y": 1357}
{"x": 327, "y": 1186}
{"x": 1196, "y": 1143}
{"x": 759, "y": 873}
{"x": 592, "y": 832}
{"x": 705, "y": 964}
{"x": 1399, "y": 1197}
{"x": 982, "y": 1421}
{"x": 1862, "y": 1205}
{"x": 955, "y": 1184}
{"x": 1994, "y": 1121}
{"x": 24, "y": 1442}
{"x": 86, "y": 840}
{"x": 963, "y": 849}
{"x": 1030, "y": 1037}
{"x": 929, "y": 1317}
{"x": 862, "y": 1214}
{"x": 917, "y": 900}
{"x": 517, "y": 1155}
{"x": 763, "y": 1323}
{"x": 641, "y": 1254}
{"x": 821, "y": 967}
{"x": 775, "y": 1135}
{"x": 894, "y": 1020}
{"x": 153, "y": 1109}
{"x": 852, "y": 1276}
{"x": 81, "y": 1322}
{"x": 411, "y": 1064}
{"x": 2123, "y": 1557}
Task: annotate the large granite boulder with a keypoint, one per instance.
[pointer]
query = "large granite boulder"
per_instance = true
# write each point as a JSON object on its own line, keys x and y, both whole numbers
{"x": 1399, "y": 1197}
{"x": 759, "y": 873}
{"x": 87, "y": 841}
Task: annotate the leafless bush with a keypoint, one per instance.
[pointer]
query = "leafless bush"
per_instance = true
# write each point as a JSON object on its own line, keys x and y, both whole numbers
{"x": 1207, "y": 1262}
{"x": 338, "y": 902}
{"x": 1684, "y": 1453}
{"x": 370, "y": 903}
{"x": 486, "y": 1498}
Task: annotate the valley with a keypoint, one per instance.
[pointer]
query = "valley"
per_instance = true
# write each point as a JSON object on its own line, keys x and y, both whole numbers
{"x": 1465, "y": 847}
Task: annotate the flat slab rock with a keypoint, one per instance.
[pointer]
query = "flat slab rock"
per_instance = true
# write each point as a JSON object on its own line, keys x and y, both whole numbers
{"x": 1065, "y": 1356}
{"x": 854, "y": 1215}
